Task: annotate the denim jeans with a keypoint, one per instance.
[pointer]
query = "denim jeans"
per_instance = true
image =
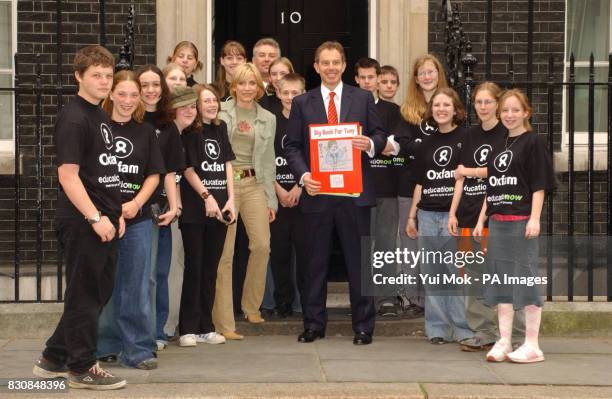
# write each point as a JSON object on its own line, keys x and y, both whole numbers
{"x": 444, "y": 314}
{"x": 125, "y": 323}
{"x": 414, "y": 292}
{"x": 161, "y": 260}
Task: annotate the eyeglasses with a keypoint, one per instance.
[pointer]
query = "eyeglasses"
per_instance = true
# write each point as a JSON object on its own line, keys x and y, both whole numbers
{"x": 484, "y": 102}
{"x": 431, "y": 72}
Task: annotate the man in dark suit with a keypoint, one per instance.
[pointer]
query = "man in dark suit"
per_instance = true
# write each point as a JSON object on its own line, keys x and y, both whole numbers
{"x": 333, "y": 102}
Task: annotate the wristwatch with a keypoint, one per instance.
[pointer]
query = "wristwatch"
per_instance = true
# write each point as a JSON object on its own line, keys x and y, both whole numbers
{"x": 205, "y": 195}
{"x": 95, "y": 218}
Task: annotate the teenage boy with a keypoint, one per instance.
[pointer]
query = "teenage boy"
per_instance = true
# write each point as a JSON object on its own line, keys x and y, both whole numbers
{"x": 388, "y": 83}
{"x": 385, "y": 216}
{"x": 88, "y": 222}
{"x": 286, "y": 230}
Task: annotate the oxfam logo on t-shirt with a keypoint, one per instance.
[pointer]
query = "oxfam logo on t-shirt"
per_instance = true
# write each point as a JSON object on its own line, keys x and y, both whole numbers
{"x": 212, "y": 149}
{"x": 123, "y": 147}
{"x": 442, "y": 156}
{"x": 107, "y": 135}
{"x": 427, "y": 129}
{"x": 481, "y": 154}
{"x": 502, "y": 161}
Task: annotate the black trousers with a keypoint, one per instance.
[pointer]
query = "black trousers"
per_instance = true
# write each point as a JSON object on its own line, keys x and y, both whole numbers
{"x": 203, "y": 245}
{"x": 90, "y": 274}
{"x": 352, "y": 223}
{"x": 286, "y": 236}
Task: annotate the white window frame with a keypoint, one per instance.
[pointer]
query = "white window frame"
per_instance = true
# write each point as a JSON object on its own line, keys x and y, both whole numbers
{"x": 581, "y": 138}
{"x": 8, "y": 145}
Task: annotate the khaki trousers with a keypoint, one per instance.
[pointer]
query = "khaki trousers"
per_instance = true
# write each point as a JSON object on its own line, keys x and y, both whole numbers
{"x": 250, "y": 202}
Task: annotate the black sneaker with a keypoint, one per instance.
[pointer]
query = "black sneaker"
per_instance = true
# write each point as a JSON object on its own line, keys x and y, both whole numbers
{"x": 388, "y": 310}
{"x": 414, "y": 312}
{"x": 44, "y": 368}
{"x": 95, "y": 378}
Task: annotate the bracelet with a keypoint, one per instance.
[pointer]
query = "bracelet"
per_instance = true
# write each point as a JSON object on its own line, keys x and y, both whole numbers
{"x": 204, "y": 195}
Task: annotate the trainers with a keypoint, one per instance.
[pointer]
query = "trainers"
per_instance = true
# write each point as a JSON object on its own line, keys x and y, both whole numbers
{"x": 44, "y": 368}
{"x": 147, "y": 364}
{"x": 388, "y": 309}
{"x": 414, "y": 312}
{"x": 95, "y": 378}
{"x": 499, "y": 352}
{"x": 526, "y": 354}
{"x": 211, "y": 338}
{"x": 475, "y": 344}
{"x": 188, "y": 340}
{"x": 161, "y": 345}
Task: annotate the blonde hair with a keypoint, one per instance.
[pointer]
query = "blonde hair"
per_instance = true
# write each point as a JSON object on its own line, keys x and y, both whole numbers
{"x": 171, "y": 66}
{"x": 199, "y": 89}
{"x": 523, "y": 100}
{"x": 242, "y": 73}
{"x": 182, "y": 45}
{"x": 458, "y": 117}
{"x": 125, "y": 76}
{"x": 414, "y": 105}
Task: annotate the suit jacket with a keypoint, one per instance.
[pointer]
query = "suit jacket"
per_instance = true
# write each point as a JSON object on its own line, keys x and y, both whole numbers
{"x": 263, "y": 152}
{"x": 357, "y": 105}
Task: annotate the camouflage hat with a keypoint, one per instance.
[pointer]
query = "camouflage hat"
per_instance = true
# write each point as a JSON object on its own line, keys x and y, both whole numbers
{"x": 182, "y": 96}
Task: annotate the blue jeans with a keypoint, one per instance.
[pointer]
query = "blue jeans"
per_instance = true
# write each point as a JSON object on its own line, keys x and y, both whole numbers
{"x": 444, "y": 314}
{"x": 161, "y": 260}
{"x": 125, "y": 323}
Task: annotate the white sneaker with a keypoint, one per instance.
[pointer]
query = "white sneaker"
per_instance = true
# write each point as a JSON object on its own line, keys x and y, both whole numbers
{"x": 211, "y": 338}
{"x": 188, "y": 340}
{"x": 161, "y": 345}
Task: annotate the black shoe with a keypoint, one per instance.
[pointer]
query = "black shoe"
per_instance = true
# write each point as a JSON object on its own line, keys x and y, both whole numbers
{"x": 108, "y": 359}
{"x": 414, "y": 312}
{"x": 362, "y": 338}
{"x": 437, "y": 341}
{"x": 284, "y": 311}
{"x": 310, "y": 335}
{"x": 388, "y": 310}
{"x": 44, "y": 368}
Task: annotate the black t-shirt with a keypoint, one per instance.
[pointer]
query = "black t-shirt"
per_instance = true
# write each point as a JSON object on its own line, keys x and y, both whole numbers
{"x": 138, "y": 156}
{"x": 83, "y": 136}
{"x": 271, "y": 103}
{"x": 206, "y": 150}
{"x": 410, "y": 137}
{"x": 152, "y": 118}
{"x": 169, "y": 141}
{"x": 384, "y": 171}
{"x": 518, "y": 167}
{"x": 191, "y": 81}
{"x": 475, "y": 150}
{"x": 436, "y": 169}
{"x": 284, "y": 176}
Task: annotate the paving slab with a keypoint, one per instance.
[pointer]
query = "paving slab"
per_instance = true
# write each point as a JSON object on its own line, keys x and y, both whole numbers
{"x": 390, "y": 348}
{"x": 245, "y": 390}
{"x": 471, "y": 391}
{"x": 458, "y": 371}
{"x": 558, "y": 369}
{"x": 576, "y": 345}
{"x": 25, "y": 345}
{"x": 3, "y": 342}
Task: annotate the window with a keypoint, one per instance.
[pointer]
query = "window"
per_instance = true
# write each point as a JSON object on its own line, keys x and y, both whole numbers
{"x": 588, "y": 31}
{"x": 8, "y": 35}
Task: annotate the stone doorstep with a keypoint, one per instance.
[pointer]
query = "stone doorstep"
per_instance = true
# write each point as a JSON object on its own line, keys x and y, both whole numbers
{"x": 37, "y": 320}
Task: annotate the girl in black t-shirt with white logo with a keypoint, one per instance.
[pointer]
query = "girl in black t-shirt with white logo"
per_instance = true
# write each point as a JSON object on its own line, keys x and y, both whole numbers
{"x": 435, "y": 182}
{"x": 519, "y": 172}
{"x": 207, "y": 193}
{"x": 126, "y": 322}
{"x": 470, "y": 190}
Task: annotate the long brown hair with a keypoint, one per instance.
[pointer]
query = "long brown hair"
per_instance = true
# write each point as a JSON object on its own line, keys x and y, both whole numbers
{"x": 162, "y": 104}
{"x": 458, "y": 117}
{"x": 282, "y": 60}
{"x": 522, "y": 98}
{"x": 125, "y": 76}
{"x": 414, "y": 105}
{"x": 231, "y": 47}
{"x": 199, "y": 88}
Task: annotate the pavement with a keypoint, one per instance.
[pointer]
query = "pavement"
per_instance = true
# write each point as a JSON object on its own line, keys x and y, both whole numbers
{"x": 392, "y": 367}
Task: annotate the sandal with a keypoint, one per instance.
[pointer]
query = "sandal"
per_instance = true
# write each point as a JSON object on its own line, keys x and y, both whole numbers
{"x": 499, "y": 352}
{"x": 526, "y": 354}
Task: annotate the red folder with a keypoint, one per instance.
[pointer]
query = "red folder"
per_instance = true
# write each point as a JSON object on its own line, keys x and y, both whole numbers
{"x": 333, "y": 159}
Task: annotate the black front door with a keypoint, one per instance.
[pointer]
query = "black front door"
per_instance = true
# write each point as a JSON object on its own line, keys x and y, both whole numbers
{"x": 299, "y": 26}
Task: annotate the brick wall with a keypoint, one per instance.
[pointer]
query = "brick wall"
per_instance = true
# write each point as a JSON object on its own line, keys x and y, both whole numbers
{"x": 36, "y": 26}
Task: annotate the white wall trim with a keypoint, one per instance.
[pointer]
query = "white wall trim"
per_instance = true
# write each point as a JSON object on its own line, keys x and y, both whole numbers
{"x": 373, "y": 29}
{"x": 209, "y": 65}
